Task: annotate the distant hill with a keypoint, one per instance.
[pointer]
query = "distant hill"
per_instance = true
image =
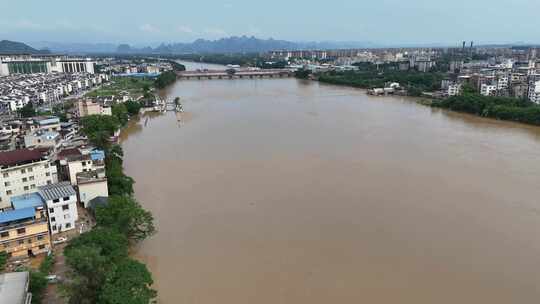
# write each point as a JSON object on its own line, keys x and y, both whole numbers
{"x": 242, "y": 44}
{"x": 13, "y": 47}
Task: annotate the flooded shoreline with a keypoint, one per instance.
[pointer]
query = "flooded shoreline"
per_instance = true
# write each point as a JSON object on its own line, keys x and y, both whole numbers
{"x": 295, "y": 192}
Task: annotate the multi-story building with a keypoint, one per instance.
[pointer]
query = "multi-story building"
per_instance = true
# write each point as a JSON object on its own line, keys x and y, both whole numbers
{"x": 74, "y": 161}
{"x": 24, "y": 232}
{"x": 22, "y": 171}
{"x": 61, "y": 202}
{"x": 534, "y": 90}
{"x": 488, "y": 89}
{"x": 92, "y": 185}
{"x": 88, "y": 107}
{"x": 454, "y": 89}
{"x": 30, "y": 64}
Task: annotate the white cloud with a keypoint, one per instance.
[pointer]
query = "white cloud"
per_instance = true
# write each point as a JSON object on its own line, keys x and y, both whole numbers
{"x": 215, "y": 32}
{"x": 148, "y": 28}
{"x": 185, "y": 29}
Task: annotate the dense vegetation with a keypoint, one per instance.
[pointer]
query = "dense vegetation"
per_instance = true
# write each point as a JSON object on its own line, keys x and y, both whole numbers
{"x": 133, "y": 86}
{"x": 102, "y": 271}
{"x": 27, "y": 111}
{"x": 165, "y": 79}
{"x": 504, "y": 108}
{"x": 414, "y": 82}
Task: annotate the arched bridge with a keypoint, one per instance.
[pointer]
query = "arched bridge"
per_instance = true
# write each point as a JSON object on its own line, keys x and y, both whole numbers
{"x": 227, "y": 74}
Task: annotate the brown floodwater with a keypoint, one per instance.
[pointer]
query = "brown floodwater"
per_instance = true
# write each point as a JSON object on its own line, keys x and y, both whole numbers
{"x": 286, "y": 191}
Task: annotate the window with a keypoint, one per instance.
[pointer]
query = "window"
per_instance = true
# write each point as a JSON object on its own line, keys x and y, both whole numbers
{"x": 21, "y": 231}
{"x": 65, "y": 207}
{"x": 4, "y": 234}
{"x": 49, "y": 182}
{"x": 48, "y": 174}
{"x": 68, "y": 225}
{"x": 41, "y": 246}
{"x": 54, "y": 227}
{"x": 6, "y": 245}
{"x": 56, "y": 200}
{"x": 40, "y": 237}
{"x": 24, "y": 180}
{"x": 31, "y": 178}
{"x": 7, "y": 184}
{"x": 26, "y": 188}
{"x": 29, "y": 241}
{"x": 30, "y": 170}
{"x": 66, "y": 198}
{"x": 9, "y": 192}
{"x": 6, "y": 174}
{"x": 23, "y": 171}
{"x": 51, "y": 210}
{"x": 20, "y": 242}
{"x": 53, "y": 219}
{"x": 66, "y": 216}
{"x": 46, "y": 166}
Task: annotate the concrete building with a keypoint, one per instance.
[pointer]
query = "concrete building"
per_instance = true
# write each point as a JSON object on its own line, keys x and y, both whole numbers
{"x": 488, "y": 89}
{"x": 75, "y": 161}
{"x": 40, "y": 139}
{"x": 88, "y": 107}
{"x": 61, "y": 202}
{"x": 91, "y": 185}
{"x": 22, "y": 171}
{"x": 31, "y": 64}
{"x": 14, "y": 288}
{"x": 534, "y": 91}
{"x": 454, "y": 89}
{"x": 24, "y": 232}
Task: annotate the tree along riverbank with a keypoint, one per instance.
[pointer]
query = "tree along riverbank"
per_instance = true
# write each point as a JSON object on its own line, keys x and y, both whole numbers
{"x": 101, "y": 269}
{"x": 502, "y": 108}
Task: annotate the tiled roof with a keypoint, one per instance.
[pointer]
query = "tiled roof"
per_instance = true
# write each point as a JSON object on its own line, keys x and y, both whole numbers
{"x": 20, "y": 156}
{"x": 56, "y": 191}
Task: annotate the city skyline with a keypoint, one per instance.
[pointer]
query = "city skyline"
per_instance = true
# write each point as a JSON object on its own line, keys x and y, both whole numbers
{"x": 384, "y": 23}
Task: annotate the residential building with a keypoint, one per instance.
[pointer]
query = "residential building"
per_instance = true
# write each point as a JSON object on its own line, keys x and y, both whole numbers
{"x": 41, "y": 139}
{"x": 77, "y": 160}
{"x": 14, "y": 288}
{"x": 61, "y": 202}
{"x": 24, "y": 232}
{"x": 91, "y": 185}
{"x": 454, "y": 89}
{"x": 22, "y": 171}
{"x": 534, "y": 89}
{"x": 88, "y": 107}
{"x": 488, "y": 89}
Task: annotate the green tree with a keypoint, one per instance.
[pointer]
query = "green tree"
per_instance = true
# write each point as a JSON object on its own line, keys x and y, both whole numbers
{"x": 127, "y": 283}
{"x": 27, "y": 111}
{"x": 120, "y": 111}
{"x": 133, "y": 107}
{"x": 125, "y": 214}
{"x": 99, "y": 128}
{"x": 3, "y": 260}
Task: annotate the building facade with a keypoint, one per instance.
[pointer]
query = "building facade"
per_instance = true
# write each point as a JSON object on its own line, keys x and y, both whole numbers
{"x": 22, "y": 171}
{"x": 61, "y": 202}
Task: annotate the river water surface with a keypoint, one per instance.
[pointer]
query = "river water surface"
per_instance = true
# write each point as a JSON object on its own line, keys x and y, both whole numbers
{"x": 285, "y": 191}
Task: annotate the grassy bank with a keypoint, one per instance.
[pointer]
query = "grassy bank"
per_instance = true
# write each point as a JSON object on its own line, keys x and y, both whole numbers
{"x": 133, "y": 86}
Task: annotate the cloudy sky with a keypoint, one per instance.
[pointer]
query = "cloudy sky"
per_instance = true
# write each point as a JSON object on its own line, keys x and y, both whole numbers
{"x": 379, "y": 21}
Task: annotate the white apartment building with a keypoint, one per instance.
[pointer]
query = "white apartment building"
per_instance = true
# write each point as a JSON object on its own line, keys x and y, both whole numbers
{"x": 22, "y": 171}
{"x": 61, "y": 201}
{"x": 454, "y": 89}
{"x": 534, "y": 91}
{"x": 502, "y": 82}
{"x": 488, "y": 89}
{"x": 75, "y": 161}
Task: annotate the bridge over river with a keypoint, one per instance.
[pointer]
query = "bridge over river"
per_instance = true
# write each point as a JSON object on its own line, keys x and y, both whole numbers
{"x": 240, "y": 73}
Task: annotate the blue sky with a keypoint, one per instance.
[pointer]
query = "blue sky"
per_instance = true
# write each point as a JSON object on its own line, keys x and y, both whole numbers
{"x": 379, "y": 21}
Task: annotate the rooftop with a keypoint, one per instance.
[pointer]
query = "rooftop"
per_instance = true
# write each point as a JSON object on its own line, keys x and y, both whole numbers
{"x": 14, "y": 287}
{"x": 17, "y": 215}
{"x": 19, "y": 157}
{"x": 56, "y": 191}
{"x": 26, "y": 201}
